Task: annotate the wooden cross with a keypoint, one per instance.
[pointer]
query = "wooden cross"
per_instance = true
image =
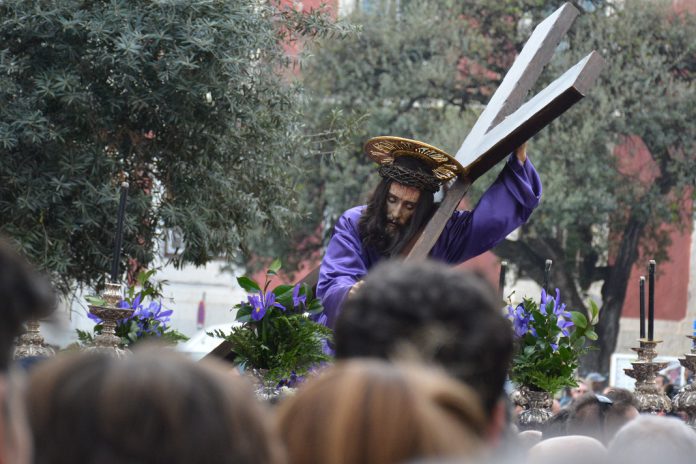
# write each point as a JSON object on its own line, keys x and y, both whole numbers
{"x": 505, "y": 123}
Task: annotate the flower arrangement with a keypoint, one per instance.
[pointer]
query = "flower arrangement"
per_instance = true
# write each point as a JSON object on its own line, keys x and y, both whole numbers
{"x": 278, "y": 336}
{"x": 147, "y": 321}
{"x": 550, "y": 342}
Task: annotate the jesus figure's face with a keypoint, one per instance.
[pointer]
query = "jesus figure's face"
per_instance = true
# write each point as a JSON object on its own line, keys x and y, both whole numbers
{"x": 401, "y": 203}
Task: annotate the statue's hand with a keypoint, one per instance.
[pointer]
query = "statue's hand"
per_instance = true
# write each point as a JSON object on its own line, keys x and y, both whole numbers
{"x": 521, "y": 153}
{"x": 355, "y": 288}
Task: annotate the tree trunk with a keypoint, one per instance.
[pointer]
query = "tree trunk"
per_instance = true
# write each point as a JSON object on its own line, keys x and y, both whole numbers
{"x": 530, "y": 256}
{"x": 613, "y": 296}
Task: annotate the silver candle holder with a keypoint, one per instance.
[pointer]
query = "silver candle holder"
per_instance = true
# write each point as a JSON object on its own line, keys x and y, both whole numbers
{"x": 685, "y": 400}
{"x": 651, "y": 399}
{"x": 31, "y": 343}
{"x": 110, "y": 314}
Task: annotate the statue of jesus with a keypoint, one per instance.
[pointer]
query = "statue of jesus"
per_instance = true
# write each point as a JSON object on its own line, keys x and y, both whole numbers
{"x": 403, "y": 202}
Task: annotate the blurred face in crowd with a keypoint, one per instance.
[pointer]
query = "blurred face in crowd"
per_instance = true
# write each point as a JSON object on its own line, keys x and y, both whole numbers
{"x": 578, "y": 391}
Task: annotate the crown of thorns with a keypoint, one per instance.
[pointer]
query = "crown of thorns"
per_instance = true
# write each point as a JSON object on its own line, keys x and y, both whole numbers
{"x": 439, "y": 166}
{"x": 412, "y": 178}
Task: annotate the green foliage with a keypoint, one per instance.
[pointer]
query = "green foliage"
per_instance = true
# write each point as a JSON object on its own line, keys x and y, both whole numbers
{"x": 277, "y": 335}
{"x": 188, "y": 101}
{"x": 550, "y": 342}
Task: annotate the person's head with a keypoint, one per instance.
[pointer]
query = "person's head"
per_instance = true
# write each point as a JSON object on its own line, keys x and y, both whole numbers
{"x": 448, "y": 316}
{"x": 154, "y": 406}
{"x": 662, "y": 381}
{"x": 595, "y": 382}
{"x": 571, "y": 449}
{"x": 396, "y": 211}
{"x": 580, "y": 390}
{"x": 624, "y": 408}
{"x": 374, "y": 412}
{"x": 600, "y": 416}
{"x": 25, "y": 294}
{"x": 649, "y": 439}
{"x": 556, "y": 425}
{"x": 402, "y": 203}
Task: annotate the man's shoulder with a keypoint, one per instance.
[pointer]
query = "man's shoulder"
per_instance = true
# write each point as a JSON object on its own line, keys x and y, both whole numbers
{"x": 353, "y": 215}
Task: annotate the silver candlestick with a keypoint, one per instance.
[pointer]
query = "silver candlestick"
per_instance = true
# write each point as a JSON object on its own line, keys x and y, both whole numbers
{"x": 651, "y": 399}
{"x": 110, "y": 314}
{"x": 685, "y": 400}
{"x": 31, "y": 343}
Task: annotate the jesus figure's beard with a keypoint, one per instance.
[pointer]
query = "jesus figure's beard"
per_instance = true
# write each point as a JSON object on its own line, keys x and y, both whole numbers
{"x": 395, "y": 235}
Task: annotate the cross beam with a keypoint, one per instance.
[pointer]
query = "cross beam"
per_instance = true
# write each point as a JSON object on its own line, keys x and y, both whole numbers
{"x": 505, "y": 125}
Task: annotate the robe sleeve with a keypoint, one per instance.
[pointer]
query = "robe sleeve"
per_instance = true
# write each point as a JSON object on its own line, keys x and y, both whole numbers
{"x": 506, "y": 205}
{"x": 343, "y": 265}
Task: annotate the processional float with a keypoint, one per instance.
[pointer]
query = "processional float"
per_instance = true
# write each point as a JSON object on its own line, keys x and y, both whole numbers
{"x": 506, "y": 123}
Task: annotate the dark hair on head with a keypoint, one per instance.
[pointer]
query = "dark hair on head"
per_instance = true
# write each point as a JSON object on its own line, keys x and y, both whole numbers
{"x": 25, "y": 294}
{"x": 155, "y": 406}
{"x": 621, "y": 399}
{"x": 556, "y": 425}
{"x": 448, "y": 316}
{"x": 373, "y": 222}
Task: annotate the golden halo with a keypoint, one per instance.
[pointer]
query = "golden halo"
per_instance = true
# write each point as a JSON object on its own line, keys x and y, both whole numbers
{"x": 385, "y": 149}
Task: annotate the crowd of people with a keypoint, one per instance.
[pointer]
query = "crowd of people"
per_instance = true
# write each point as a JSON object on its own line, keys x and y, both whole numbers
{"x": 422, "y": 352}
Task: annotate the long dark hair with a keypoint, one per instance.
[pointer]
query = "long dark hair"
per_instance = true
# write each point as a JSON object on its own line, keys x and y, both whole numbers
{"x": 373, "y": 222}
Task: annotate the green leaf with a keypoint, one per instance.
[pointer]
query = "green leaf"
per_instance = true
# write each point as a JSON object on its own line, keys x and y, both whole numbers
{"x": 579, "y": 319}
{"x": 95, "y": 301}
{"x": 244, "y": 310}
{"x": 591, "y": 334}
{"x": 594, "y": 313}
{"x": 274, "y": 267}
{"x": 248, "y": 284}
{"x": 282, "y": 290}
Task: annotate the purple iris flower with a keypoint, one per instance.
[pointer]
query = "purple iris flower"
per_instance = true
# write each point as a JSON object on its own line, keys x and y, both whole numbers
{"x": 544, "y": 301}
{"x": 298, "y": 299}
{"x": 554, "y": 346}
{"x": 558, "y": 309}
{"x": 564, "y": 325}
{"x": 520, "y": 320}
{"x": 262, "y": 303}
{"x": 564, "y": 321}
{"x": 154, "y": 311}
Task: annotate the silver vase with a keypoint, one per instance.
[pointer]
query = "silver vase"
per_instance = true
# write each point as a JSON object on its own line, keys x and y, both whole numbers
{"x": 537, "y": 409}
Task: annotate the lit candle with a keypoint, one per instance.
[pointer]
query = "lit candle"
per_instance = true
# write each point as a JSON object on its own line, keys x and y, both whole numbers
{"x": 501, "y": 280}
{"x": 642, "y": 307}
{"x": 118, "y": 239}
{"x": 547, "y": 274}
{"x": 651, "y": 299}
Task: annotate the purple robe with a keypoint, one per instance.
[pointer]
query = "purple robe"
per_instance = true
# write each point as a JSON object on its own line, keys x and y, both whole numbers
{"x": 505, "y": 206}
